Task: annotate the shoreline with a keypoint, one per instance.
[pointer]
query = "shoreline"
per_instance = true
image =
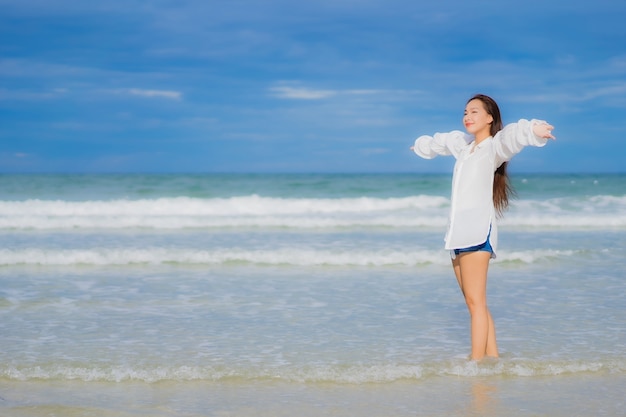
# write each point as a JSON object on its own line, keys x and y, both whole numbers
{"x": 597, "y": 394}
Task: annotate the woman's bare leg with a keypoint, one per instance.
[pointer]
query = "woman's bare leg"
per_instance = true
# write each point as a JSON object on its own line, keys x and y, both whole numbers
{"x": 492, "y": 345}
{"x": 471, "y": 273}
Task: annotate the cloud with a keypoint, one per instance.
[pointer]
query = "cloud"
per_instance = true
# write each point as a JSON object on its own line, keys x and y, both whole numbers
{"x": 581, "y": 94}
{"x": 73, "y": 80}
{"x": 618, "y": 89}
{"x": 303, "y": 93}
{"x": 172, "y": 95}
{"x": 300, "y": 93}
{"x": 290, "y": 92}
{"x": 145, "y": 93}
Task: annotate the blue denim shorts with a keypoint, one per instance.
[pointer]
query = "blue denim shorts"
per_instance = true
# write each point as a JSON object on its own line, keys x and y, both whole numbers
{"x": 482, "y": 247}
{"x": 486, "y": 247}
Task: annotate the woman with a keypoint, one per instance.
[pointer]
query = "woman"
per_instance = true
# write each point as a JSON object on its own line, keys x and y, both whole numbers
{"x": 480, "y": 192}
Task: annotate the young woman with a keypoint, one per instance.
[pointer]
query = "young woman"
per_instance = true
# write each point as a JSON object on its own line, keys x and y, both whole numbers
{"x": 480, "y": 192}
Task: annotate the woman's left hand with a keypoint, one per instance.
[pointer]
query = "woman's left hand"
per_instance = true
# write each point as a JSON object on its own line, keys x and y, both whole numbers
{"x": 543, "y": 130}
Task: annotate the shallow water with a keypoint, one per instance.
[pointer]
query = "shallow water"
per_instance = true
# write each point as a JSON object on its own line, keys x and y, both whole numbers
{"x": 139, "y": 293}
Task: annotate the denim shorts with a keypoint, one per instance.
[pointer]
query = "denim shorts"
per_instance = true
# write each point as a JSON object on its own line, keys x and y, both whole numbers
{"x": 486, "y": 247}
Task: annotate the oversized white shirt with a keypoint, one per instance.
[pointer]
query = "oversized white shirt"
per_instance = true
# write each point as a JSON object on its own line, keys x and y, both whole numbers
{"x": 472, "y": 213}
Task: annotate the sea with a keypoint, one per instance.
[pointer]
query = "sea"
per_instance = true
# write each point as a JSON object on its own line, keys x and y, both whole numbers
{"x": 304, "y": 295}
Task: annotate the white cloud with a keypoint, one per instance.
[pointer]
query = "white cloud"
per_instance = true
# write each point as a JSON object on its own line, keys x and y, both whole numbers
{"x": 300, "y": 93}
{"x": 304, "y": 93}
{"x": 172, "y": 95}
{"x": 580, "y": 94}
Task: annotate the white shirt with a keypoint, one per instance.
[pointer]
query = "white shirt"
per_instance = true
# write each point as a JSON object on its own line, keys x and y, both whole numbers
{"x": 472, "y": 212}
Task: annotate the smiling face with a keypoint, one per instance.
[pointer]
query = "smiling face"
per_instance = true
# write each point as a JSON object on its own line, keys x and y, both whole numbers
{"x": 476, "y": 120}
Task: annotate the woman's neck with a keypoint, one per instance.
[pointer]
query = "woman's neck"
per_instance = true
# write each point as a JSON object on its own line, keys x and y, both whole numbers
{"x": 481, "y": 136}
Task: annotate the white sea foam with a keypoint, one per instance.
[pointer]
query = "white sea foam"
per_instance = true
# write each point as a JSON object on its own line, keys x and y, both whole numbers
{"x": 342, "y": 374}
{"x": 250, "y": 211}
{"x": 276, "y": 257}
{"x": 247, "y": 205}
{"x": 300, "y": 213}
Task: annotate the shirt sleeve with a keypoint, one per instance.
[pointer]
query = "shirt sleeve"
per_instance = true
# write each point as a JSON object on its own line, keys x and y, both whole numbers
{"x": 514, "y": 137}
{"x": 451, "y": 143}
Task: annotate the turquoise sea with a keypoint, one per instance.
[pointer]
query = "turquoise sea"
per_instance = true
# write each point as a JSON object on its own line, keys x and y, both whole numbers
{"x": 303, "y": 295}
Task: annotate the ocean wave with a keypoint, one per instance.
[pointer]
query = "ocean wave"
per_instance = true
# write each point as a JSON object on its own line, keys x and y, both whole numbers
{"x": 341, "y": 374}
{"x": 272, "y": 257}
{"x": 235, "y": 212}
{"x": 299, "y": 213}
{"x": 246, "y": 205}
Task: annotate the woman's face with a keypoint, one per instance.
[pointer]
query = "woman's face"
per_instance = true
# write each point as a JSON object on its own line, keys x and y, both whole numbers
{"x": 476, "y": 119}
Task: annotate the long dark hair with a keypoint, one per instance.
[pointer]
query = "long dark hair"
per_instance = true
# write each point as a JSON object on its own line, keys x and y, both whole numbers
{"x": 502, "y": 188}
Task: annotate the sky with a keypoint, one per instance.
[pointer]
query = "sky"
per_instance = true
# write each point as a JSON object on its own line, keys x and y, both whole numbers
{"x": 124, "y": 86}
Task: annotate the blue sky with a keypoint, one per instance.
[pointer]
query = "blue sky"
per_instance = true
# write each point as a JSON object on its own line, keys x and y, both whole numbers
{"x": 315, "y": 86}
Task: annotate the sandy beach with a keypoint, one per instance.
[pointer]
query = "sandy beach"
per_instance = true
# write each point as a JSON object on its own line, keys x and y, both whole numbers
{"x": 594, "y": 394}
